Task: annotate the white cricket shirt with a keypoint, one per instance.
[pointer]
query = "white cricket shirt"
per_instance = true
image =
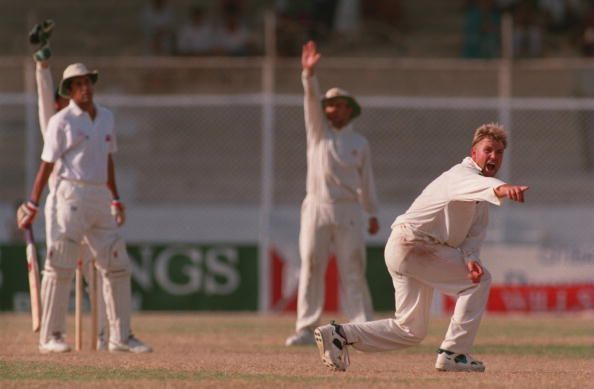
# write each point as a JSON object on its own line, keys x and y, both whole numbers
{"x": 453, "y": 209}
{"x": 81, "y": 145}
{"x": 338, "y": 161}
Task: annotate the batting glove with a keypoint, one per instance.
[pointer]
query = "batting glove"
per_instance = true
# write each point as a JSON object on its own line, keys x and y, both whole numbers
{"x": 26, "y": 214}
{"x": 40, "y": 35}
{"x": 42, "y": 54}
{"x": 41, "y": 32}
{"x": 118, "y": 212}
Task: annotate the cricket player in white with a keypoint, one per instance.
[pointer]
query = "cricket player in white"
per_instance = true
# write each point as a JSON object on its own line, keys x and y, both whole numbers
{"x": 81, "y": 138}
{"x": 49, "y": 102}
{"x": 339, "y": 188}
{"x": 436, "y": 244}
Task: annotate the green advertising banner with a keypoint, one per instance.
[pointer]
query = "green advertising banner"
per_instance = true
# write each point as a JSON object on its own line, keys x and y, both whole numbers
{"x": 190, "y": 277}
{"x": 164, "y": 277}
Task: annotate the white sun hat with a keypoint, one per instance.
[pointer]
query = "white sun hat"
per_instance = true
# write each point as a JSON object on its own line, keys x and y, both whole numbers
{"x": 75, "y": 70}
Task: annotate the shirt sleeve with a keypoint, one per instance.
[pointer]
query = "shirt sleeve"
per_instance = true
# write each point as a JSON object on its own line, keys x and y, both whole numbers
{"x": 367, "y": 193}
{"x": 312, "y": 106}
{"x": 54, "y": 143}
{"x": 471, "y": 246}
{"x": 471, "y": 186}
{"x": 45, "y": 96}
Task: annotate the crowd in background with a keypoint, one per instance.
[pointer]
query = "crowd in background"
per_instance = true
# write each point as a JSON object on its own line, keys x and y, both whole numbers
{"x": 219, "y": 30}
{"x": 227, "y": 27}
{"x": 540, "y": 26}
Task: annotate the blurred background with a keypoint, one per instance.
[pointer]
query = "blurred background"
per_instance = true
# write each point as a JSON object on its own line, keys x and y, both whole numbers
{"x": 211, "y": 162}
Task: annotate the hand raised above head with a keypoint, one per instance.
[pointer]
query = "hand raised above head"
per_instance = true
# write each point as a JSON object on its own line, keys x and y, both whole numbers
{"x": 309, "y": 56}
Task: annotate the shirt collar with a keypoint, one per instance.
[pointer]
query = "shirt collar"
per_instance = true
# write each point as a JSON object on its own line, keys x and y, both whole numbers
{"x": 345, "y": 129}
{"x": 77, "y": 110}
{"x": 470, "y": 162}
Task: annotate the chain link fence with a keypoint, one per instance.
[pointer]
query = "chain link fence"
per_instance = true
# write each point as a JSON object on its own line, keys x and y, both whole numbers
{"x": 201, "y": 154}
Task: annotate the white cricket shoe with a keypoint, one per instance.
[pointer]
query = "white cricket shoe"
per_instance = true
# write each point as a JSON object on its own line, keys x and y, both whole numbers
{"x": 333, "y": 347}
{"x": 56, "y": 344}
{"x": 133, "y": 345}
{"x": 450, "y": 361}
{"x": 301, "y": 338}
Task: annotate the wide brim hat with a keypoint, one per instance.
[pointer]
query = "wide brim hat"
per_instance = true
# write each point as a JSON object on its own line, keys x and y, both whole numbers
{"x": 339, "y": 93}
{"x": 75, "y": 70}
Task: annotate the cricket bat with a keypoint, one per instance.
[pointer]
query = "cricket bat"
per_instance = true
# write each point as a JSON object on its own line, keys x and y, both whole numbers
{"x": 33, "y": 271}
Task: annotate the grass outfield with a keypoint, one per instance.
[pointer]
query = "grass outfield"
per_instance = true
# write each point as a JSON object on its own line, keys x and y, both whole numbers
{"x": 239, "y": 350}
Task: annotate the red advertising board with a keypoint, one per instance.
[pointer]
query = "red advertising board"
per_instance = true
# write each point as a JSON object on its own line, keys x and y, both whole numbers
{"x": 536, "y": 298}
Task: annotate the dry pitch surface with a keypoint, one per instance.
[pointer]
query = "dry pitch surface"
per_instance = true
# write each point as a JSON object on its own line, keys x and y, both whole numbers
{"x": 240, "y": 350}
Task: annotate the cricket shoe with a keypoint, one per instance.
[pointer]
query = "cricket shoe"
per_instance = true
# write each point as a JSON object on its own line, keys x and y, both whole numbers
{"x": 56, "y": 344}
{"x": 450, "y": 361}
{"x": 301, "y": 338}
{"x": 333, "y": 347}
{"x": 133, "y": 345}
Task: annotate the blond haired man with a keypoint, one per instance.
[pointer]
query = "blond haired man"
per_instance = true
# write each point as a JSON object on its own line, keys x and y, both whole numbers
{"x": 436, "y": 244}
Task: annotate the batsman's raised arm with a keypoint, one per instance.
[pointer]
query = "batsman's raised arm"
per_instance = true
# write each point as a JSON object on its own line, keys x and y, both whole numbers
{"x": 45, "y": 94}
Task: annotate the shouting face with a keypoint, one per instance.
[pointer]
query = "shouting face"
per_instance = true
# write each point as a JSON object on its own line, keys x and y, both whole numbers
{"x": 488, "y": 155}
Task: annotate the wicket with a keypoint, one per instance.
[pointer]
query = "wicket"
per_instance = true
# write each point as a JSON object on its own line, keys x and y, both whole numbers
{"x": 78, "y": 307}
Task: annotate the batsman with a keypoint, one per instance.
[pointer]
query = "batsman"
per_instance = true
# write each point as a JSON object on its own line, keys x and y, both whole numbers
{"x": 79, "y": 142}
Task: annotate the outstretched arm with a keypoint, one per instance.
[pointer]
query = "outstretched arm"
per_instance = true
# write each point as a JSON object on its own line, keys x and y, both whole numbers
{"x": 512, "y": 192}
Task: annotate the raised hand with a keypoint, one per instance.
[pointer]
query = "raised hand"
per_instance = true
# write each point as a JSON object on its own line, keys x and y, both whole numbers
{"x": 309, "y": 56}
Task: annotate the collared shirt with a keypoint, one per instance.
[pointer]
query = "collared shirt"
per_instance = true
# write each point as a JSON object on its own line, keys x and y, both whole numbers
{"x": 81, "y": 144}
{"x": 338, "y": 161}
{"x": 453, "y": 209}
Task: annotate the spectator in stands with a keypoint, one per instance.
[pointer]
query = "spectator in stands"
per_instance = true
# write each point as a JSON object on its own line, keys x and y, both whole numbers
{"x": 561, "y": 15}
{"x": 481, "y": 30}
{"x": 347, "y": 19}
{"x": 158, "y": 20}
{"x": 586, "y": 35}
{"x": 232, "y": 36}
{"x": 528, "y": 29}
{"x": 294, "y": 21}
{"x": 323, "y": 15}
{"x": 383, "y": 19}
{"x": 196, "y": 36}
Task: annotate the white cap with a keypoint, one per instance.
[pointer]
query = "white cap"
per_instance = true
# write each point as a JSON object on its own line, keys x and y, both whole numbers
{"x": 75, "y": 70}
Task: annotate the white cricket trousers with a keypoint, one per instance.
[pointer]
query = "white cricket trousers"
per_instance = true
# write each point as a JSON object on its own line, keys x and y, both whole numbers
{"x": 86, "y": 257}
{"x": 342, "y": 226}
{"x": 417, "y": 267}
{"x": 82, "y": 213}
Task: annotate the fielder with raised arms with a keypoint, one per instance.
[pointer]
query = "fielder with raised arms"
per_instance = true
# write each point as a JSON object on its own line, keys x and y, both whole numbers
{"x": 79, "y": 142}
{"x": 436, "y": 244}
{"x": 339, "y": 188}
